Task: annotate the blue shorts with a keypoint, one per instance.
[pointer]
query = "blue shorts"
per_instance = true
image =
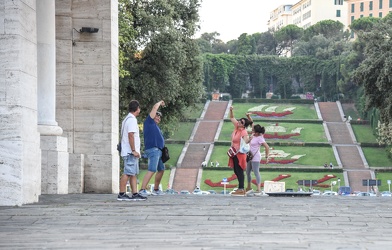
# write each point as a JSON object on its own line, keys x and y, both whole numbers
{"x": 131, "y": 165}
{"x": 154, "y": 159}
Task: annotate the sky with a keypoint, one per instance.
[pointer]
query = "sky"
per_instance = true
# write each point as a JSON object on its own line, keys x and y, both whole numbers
{"x": 231, "y": 18}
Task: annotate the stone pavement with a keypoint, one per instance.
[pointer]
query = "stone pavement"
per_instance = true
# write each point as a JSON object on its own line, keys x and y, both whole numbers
{"x": 99, "y": 221}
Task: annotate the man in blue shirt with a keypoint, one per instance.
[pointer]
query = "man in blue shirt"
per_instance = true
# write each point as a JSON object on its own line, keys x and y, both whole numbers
{"x": 153, "y": 143}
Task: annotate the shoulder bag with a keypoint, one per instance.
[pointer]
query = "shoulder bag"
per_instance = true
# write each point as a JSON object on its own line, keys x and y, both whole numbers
{"x": 165, "y": 154}
{"x": 119, "y": 144}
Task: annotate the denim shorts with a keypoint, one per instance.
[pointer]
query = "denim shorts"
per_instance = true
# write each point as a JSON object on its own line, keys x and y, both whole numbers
{"x": 131, "y": 165}
{"x": 154, "y": 159}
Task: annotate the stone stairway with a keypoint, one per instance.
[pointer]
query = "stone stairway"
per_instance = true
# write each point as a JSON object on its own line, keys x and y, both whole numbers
{"x": 354, "y": 165}
{"x": 200, "y": 144}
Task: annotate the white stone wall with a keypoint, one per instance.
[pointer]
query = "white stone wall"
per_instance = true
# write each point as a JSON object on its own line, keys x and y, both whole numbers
{"x": 87, "y": 89}
{"x": 76, "y": 174}
{"x": 20, "y": 156}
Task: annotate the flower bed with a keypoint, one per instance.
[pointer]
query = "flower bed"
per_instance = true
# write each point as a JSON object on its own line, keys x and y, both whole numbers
{"x": 272, "y": 114}
{"x": 276, "y": 136}
{"x": 272, "y": 160}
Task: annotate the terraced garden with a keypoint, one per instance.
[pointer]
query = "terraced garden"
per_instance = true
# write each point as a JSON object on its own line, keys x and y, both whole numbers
{"x": 297, "y": 136}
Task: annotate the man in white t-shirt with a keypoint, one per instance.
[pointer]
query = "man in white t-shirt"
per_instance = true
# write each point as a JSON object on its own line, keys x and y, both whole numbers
{"x": 130, "y": 152}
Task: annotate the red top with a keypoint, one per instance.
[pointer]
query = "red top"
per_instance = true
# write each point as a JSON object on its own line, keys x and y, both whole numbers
{"x": 235, "y": 142}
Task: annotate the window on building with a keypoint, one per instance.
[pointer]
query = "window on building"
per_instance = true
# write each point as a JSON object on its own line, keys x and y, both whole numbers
{"x": 307, "y": 15}
{"x": 361, "y": 6}
{"x": 371, "y": 5}
{"x": 390, "y": 3}
{"x": 360, "y": 16}
{"x": 380, "y": 4}
{"x": 338, "y": 2}
{"x": 352, "y": 8}
{"x": 352, "y": 18}
{"x": 371, "y": 14}
{"x": 337, "y": 13}
{"x": 380, "y": 14}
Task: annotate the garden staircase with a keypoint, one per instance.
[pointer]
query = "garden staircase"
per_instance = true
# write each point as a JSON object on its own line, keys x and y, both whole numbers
{"x": 349, "y": 153}
{"x": 196, "y": 149}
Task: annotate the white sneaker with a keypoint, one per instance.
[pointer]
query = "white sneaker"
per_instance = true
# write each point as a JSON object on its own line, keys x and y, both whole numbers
{"x": 159, "y": 192}
{"x": 144, "y": 193}
{"x": 250, "y": 191}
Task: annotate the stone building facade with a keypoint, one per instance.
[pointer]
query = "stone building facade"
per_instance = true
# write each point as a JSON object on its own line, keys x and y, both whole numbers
{"x": 58, "y": 98}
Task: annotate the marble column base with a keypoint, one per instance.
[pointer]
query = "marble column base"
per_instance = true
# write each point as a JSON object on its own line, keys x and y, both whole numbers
{"x": 54, "y": 162}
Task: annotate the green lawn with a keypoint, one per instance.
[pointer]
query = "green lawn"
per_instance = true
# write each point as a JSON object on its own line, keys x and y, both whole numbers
{"x": 377, "y": 157}
{"x": 384, "y": 177}
{"x": 183, "y": 131}
{"x": 194, "y": 111}
{"x": 350, "y": 110}
{"x": 301, "y": 111}
{"x": 164, "y": 182}
{"x": 175, "y": 152}
{"x": 314, "y": 156}
{"x": 309, "y": 132}
{"x": 364, "y": 133}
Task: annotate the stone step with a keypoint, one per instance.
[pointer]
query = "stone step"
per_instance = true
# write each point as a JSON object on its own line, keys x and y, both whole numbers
{"x": 195, "y": 155}
{"x": 350, "y": 157}
{"x": 355, "y": 178}
{"x": 206, "y": 132}
{"x": 339, "y": 133}
{"x": 185, "y": 179}
{"x": 216, "y": 110}
{"x": 330, "y": 111}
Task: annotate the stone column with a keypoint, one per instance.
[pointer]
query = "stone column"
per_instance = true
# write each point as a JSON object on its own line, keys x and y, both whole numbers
{"x": 87, "y": 92}
{"x": 20, "y": 156}
{"x": 46, "y": 68}
{"x": 54, "y": 147}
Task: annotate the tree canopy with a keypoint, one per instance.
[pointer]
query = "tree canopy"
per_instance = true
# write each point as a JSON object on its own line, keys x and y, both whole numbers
{"x": 159, "y": 59}
{"x": 375, "y": 71}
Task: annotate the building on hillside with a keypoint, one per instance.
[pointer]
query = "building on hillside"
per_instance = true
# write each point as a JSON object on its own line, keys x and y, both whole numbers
{"x": 59, "y": 113}
{"x": 280, "y": 17}
{"x": 367, "y": 8}
{"x": 306, "y": 13}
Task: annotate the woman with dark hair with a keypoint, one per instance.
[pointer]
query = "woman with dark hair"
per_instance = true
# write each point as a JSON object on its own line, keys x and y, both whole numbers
{"x": 256, "y": 140}
{"x": 238, "y": 161}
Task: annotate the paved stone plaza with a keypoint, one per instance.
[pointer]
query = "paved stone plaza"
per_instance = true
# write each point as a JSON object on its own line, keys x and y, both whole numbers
{"x": 99, "y": 221}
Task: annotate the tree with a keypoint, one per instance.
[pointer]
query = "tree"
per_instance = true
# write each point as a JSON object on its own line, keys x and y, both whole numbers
{"x": 315, "y": 47}
{"x": 328, "y": 28}
{"x": 210, "y": 43}
{"x": 245, "y": 45}
{"x": 364, "y": 24}
{"x": 160, "y": 58}
{"x": 374, "y": 73}
{"x": 266, "y": 44}
{"x": 287, "y": 37}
